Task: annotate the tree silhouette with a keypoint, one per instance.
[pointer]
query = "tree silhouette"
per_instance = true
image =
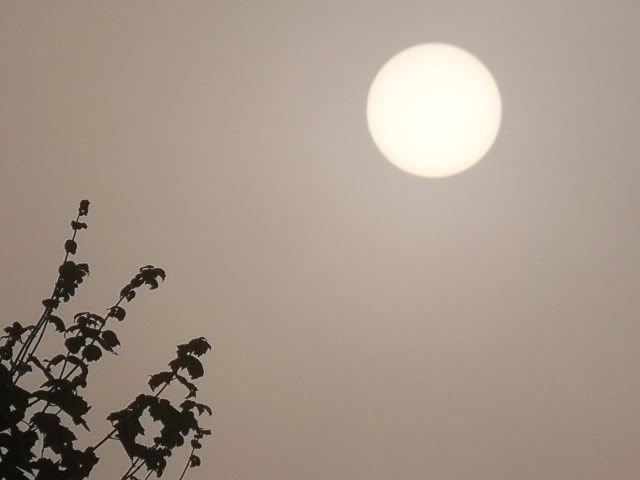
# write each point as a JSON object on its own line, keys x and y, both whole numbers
{"x": 38, "y": 425}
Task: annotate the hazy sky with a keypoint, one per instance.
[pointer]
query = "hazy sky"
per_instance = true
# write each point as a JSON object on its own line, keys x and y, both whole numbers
{"x": 367, "y": 324}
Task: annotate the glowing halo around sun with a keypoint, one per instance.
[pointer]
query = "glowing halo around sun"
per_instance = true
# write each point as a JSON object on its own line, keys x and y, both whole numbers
{"x": 434, "y": 110}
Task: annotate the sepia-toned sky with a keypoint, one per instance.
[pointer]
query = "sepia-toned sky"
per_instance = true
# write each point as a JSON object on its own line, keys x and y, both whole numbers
{"x": 367, "y": 324}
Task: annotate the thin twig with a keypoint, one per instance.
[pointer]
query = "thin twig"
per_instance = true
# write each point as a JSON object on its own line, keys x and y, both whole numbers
{"x": 187, "y": 465}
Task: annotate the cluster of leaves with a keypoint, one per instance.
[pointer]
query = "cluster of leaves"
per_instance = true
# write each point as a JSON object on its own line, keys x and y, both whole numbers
{"x": 178, "y": 422}
{"x": 37, "y": 443}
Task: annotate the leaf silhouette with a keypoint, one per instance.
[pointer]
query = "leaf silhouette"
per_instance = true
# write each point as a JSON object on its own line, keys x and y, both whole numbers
{"x": 160, "y": 379}
{"x": 78, "y": 225}
{"x": 85, "y": 319}
{"x": 189, "y": 363}
{"x": 84, "y": 208}
{"x": 51, "y": 303}
{"x": 91, "y": 352}
{"x": 74, "y": 344}
{"x": 16, "y": 331}
{"x": 200, "y": 407}
{"x": 127, "y": 423}
{"x": 57, "y": 322}
{"x": 71, "y": 276}
{"x": 197, "y": 346}
{"x": 71, "y": 246}
{"x": 117, "y": 312}
{"x": 109, "y": 340}
{"x": 150, "y": 274}
{"x": 68, "y": 401}
{"x": 128, "y": 293}
{"x": 57, "y": 437}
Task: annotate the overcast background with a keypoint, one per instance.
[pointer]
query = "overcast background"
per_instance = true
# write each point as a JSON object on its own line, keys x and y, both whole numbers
{"x": 367, "y": 324}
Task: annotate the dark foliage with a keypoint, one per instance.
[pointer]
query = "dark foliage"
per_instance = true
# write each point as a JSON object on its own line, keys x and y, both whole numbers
{"x": 38, "y": 426}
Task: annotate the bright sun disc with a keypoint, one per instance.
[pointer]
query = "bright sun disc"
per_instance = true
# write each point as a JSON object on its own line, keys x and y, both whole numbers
{"x": 434, "y": 110}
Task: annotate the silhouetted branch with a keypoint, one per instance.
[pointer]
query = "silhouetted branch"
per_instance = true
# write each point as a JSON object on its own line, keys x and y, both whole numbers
{"x": 53, "y": 301}
{"x": 186, "y": 466}
{"x": 38, "y": 445}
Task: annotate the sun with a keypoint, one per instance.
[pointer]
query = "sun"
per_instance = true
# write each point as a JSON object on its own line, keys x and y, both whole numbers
{"x": 434, "y": 110}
